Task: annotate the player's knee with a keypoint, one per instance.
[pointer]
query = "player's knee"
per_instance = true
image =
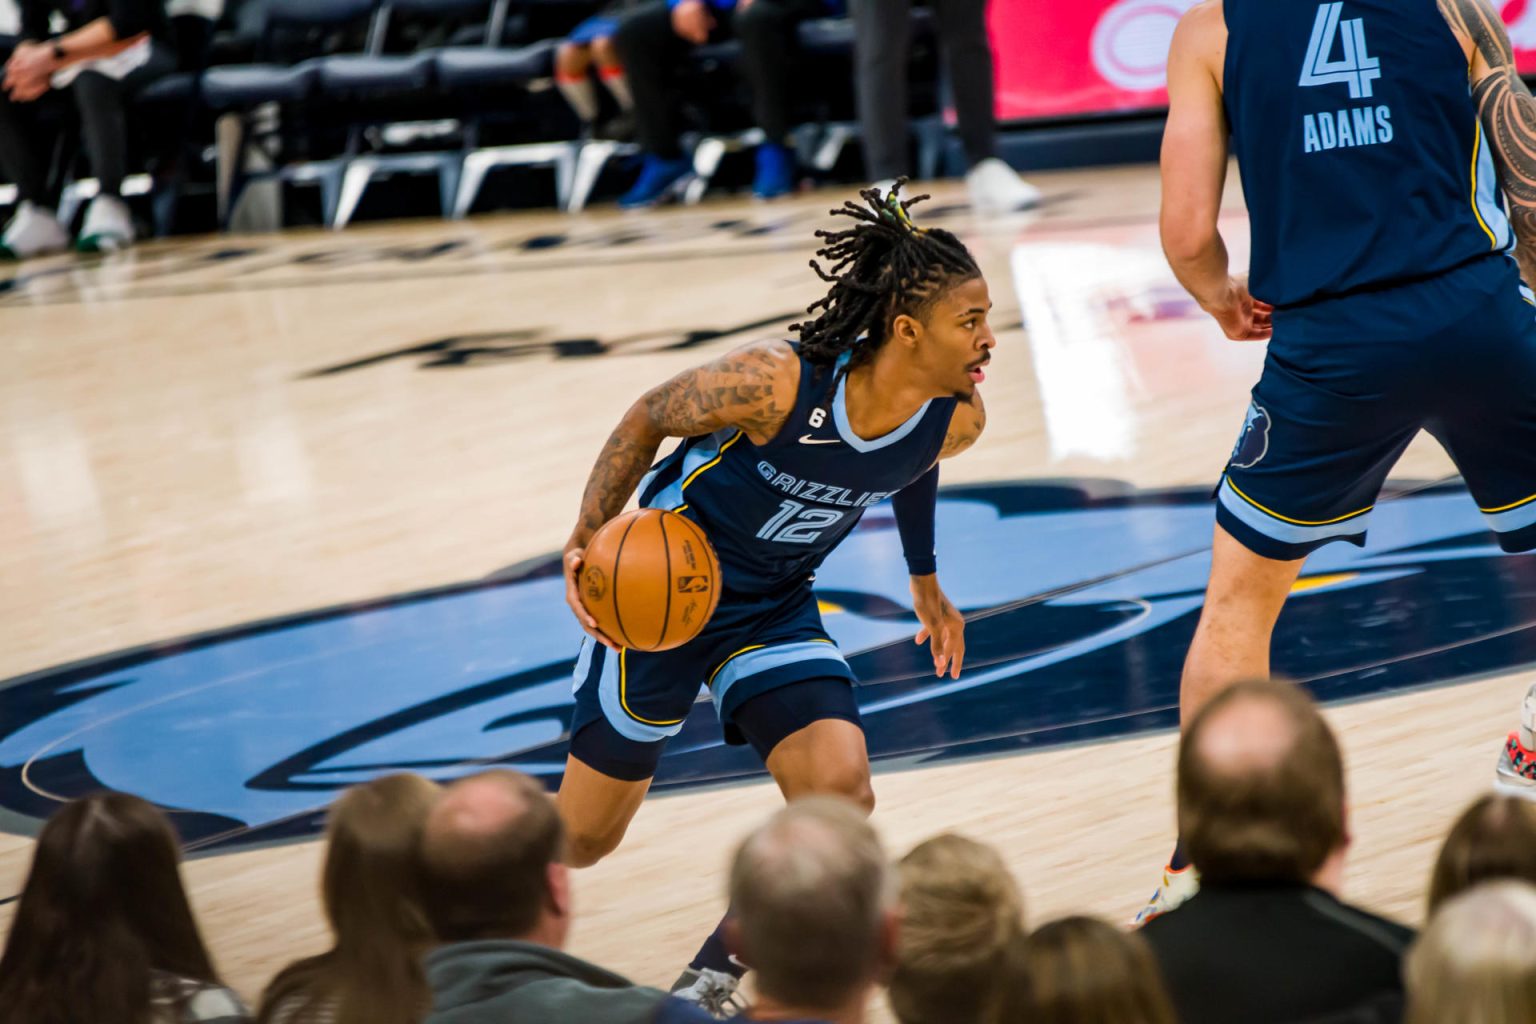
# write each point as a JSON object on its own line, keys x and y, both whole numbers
{"x": 849, "y": 781}
{"x": 604, "y": 52}
{"x": 584, "y": 847}
{"x": 571, "y": 60}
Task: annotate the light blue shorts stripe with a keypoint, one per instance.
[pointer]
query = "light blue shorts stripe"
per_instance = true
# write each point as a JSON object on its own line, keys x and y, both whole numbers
{"x": 1515, "y": 519}
{"x": 1279, "y": 529}
{"x": 623, "y": 722}
{"x": 745, "y": 666}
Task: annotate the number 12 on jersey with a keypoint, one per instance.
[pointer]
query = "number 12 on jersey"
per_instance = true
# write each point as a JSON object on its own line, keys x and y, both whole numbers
{"x": 793, "y": 523}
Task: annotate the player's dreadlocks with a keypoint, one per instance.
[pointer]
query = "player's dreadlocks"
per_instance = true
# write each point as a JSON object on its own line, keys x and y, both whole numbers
{"x": 881, "y": 267}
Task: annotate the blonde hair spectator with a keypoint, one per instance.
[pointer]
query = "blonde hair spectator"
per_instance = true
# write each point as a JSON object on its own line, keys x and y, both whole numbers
{"x": 1476, "y": 962}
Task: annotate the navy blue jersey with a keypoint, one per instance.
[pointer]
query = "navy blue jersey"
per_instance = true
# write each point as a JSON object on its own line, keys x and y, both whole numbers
{"x": 774, "y": 511}
{"x": 1362, "y": 159}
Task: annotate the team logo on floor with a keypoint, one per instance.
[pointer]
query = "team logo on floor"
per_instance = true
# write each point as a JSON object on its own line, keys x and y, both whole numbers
{"x": 1081, "y": 598}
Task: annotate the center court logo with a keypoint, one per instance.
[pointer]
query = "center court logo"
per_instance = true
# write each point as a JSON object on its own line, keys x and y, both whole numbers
{"x": 1081, "y": 597}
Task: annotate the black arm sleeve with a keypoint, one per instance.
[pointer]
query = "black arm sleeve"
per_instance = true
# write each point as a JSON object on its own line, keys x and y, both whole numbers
{"x": 914, "y": 506}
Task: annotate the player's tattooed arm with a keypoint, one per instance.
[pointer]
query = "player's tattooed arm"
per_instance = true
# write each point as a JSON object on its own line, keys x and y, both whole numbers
{"x": 1508, "y": 113}
{"x": 965, "y": 427}
{"x": 752, "y": 388}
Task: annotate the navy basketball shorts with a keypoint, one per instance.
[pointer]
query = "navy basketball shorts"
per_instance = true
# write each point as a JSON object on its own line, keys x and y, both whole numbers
{"x": 1349, "y": 382}
{"x": 754, "y": 644}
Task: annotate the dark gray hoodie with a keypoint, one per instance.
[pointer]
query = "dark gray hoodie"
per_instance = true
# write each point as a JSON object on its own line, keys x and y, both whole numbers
{"x": 499, "y": 981}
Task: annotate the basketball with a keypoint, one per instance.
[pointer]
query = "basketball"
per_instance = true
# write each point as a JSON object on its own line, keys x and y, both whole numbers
{"x": 651, "y": 579}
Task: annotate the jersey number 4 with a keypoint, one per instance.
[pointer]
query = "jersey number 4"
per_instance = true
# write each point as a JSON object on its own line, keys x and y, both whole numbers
{"x": 796, "y": 524}
{"x": 1354, "y": 68}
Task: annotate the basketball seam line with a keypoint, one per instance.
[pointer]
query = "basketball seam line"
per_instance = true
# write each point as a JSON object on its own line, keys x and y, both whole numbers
{"x": 618, "y": 560}
{"x": 666, "y": 609}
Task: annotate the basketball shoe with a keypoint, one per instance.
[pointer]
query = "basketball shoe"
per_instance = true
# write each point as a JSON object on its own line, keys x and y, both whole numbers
{"x": 714, "y": 992}
{"x": 34, "y": 231}
{"x": 1177, "y": 887}
{"x": 997, "y": 188}
{"x": 1516, "y": 773}
{"x": 108, "y": 226}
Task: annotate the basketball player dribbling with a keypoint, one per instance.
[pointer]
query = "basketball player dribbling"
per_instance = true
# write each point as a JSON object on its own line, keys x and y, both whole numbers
{"x": 785, "y": 446}
{"x": 1372, "y": 137}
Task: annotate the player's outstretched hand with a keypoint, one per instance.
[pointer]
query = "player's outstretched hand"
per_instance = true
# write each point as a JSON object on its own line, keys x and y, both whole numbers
{"x": 573, "y": 558}
{"x": 943, "y": 626}
{"x": 1243, "y": 317}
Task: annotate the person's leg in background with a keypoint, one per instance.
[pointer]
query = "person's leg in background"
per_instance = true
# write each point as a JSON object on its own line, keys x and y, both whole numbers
{"x": 769, "y": 48}
{"x": 610, "y": 71}
{"x": 108, "y": 224}
{"x": 102, "y": 102}
{"x": 994, "y": 186}
{"x": 650, "y": 49}
{"x": 35, "y": 229}
{"x": 573, "y": 63}
{"x": 882, "y": 34}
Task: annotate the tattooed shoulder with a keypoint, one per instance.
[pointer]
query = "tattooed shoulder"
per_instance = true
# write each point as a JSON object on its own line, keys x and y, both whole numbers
{"x": 752, "y": 388}
{"x": 969, "y": 420}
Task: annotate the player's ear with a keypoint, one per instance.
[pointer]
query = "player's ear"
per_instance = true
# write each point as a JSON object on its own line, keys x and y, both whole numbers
{"x": 906, "y": 330}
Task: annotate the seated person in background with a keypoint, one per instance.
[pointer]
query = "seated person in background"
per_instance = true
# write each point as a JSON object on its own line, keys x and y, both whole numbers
{"x": 103, "y": 932}
{"x": 1494, "y": 838}
{"x": 372, "y": 974}
{"x": 1261, "y": 810}
{"x": 960, "y": 910}
{"x": 499, "y": 899}
{"x": 654, "y": 40}
{"x": 589, "y": 43}
{"x": 109, "y": 50}
{"x": 813, "y": 914}
{"x": 1476, "y": 961}
{"x": 1079, "y": 970}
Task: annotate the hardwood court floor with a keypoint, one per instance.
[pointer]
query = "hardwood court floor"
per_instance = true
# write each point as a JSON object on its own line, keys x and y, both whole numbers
{"x": 210, "y": 432}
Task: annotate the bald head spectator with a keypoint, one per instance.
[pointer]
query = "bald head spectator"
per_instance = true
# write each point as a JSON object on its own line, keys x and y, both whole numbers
{"x": 499, "y": 900}
{"x": 813, "y": 914}
{"x": 1262, "y": 813}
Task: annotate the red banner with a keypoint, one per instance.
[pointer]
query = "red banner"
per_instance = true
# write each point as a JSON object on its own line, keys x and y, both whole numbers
{"x": 1102, "y": 56}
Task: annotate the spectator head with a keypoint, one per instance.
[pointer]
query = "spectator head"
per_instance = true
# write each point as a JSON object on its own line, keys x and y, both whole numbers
{"x": 371, "y": 894}
{"x": 490, "y": 862}
{"x": 1261, "y": 787}
{"x": 813, "y": 907}
{"x": 1476, "y": 962}
{"x": 1079, "y": 970}
{"x": 1493, "y": 838}
{"x": 102, "y": 908}
{"x": 960, "y": 910}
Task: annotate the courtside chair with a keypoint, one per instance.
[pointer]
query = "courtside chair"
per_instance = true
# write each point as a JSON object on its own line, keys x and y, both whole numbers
{"x": 471, "y": 71}
{"x": 246, "y": 95}
{"x": 380, "y": 77}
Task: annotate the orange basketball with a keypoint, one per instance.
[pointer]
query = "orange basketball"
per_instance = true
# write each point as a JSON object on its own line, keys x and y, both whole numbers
{"x": 651, "y": 579}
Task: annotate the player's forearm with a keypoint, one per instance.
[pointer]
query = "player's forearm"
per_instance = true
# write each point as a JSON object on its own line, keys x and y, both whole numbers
{"x": 623, "y": 462}
{"x": 1200, "y": 263}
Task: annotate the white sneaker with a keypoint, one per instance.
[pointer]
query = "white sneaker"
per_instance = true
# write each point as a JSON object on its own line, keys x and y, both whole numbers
{"x": 108, "y": 226}
{"x": 1516, "y": 772}
{"x": 1178, "y": 886}
{"x": 34, "y": 231}
{"x": 997, "y": 188}
{"x": 714, "y": 992}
